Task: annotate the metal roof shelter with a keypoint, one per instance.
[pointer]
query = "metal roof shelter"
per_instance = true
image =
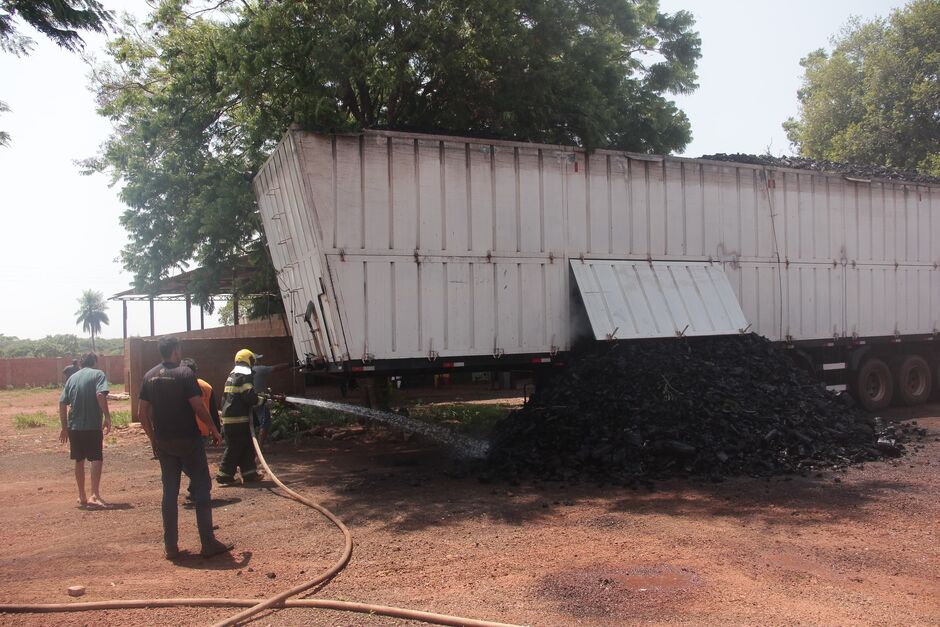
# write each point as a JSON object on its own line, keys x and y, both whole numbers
{"x": 177, "y": 288}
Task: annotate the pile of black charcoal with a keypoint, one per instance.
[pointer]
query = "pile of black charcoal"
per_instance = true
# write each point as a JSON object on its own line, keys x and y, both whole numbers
{"x": 709, "y": 407}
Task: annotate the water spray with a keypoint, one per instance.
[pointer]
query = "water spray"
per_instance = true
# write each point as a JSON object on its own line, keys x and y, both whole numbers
{"x": 463, "y": 445}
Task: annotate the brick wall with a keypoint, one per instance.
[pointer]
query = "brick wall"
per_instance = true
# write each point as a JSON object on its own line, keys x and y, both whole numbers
{"x": 39, "y": 371}
{"x": 214, "y": 358}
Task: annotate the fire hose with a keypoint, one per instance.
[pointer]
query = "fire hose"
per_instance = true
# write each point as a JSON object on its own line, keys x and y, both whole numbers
{"x": 280, "y": 600}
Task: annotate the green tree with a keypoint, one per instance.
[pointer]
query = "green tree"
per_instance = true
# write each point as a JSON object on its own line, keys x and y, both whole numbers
{"x": 92, "y": 313}
{"x": 59, "y": 20}
{"x": 227, "y": 311}
{"x": 199, "y": 99}
{"x": 4, "y": 136}
{"x": 66, "y": 345}
{"x": 875, "y": 98}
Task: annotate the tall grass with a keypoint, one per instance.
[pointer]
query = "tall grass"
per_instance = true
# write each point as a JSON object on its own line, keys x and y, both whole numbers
{"x": 120, "y": 418}
{"x": 469, "y": 419}
{"x": 34, "y": 420}
{"x": 38, "y": 419}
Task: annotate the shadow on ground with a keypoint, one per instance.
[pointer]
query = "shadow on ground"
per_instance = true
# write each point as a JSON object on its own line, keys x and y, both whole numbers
{"x": 410, "y": 487}
{"x": 224, "y": 561}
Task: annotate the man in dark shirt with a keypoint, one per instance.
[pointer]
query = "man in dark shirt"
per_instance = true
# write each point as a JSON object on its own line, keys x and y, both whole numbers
{"x": 170, "y": 402}
{"x": 262, "y": 412}
{"x": 71, "y": 369}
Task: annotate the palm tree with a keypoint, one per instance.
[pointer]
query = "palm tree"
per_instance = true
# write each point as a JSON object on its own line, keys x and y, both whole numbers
{"x": 92, "y": 313}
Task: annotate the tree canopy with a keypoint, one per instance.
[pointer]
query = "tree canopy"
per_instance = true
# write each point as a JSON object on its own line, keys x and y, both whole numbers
{"x": 199, "y": 98}
{"x": 875, "y": 98}
{"x": 92, "y": 313}
{"x": 67, "y": 345}
{"x": 59, "y": 20}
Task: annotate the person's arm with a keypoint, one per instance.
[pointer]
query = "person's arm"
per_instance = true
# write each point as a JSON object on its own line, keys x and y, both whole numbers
{"x": 258, "y": 398}
{"x": 202, "y": 414}
{"x": 103, "y": 404}
{"x": 143, "y": 414}
{"x": 250, "y": 395}
{"x": 214, "y": 411}
{"x": 64, "y": 421}
{"x": 101, "y": 394}
{"x": 64, "y": 414}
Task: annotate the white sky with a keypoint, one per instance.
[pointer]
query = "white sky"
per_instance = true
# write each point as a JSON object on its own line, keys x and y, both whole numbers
{"x": 61, "y": 230}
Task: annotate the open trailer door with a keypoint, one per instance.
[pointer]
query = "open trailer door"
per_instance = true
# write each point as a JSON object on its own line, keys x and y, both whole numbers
{"x": 628, "y": 300}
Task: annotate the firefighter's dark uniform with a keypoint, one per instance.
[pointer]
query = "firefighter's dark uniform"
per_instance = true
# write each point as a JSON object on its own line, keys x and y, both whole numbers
{"x": 238, "y": 400}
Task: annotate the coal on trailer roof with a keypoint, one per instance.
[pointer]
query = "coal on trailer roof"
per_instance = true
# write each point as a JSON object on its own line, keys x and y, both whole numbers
{"x": 829, "y": 167}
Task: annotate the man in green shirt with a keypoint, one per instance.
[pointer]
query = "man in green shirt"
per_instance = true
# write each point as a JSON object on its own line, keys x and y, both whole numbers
{"x": 83, "y": 403}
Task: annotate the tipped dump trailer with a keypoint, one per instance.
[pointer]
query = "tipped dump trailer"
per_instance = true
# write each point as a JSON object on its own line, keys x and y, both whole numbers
{"x": 400, "y": 251}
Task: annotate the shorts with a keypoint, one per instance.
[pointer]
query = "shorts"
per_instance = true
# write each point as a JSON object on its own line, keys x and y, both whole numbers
{"x": 85, "y": 445}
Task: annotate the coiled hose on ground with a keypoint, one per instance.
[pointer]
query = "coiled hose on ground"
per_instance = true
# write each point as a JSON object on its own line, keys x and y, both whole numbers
{"x": 254, "y": 606}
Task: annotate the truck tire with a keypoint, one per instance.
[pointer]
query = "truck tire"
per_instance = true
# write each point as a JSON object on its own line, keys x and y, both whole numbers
{"x": 874, "y": 385}
{"x": 914, "y": 380}
{"x": 935, "y": 363}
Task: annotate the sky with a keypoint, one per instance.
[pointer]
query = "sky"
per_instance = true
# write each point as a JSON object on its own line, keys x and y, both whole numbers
{"x": 61, "y": 229}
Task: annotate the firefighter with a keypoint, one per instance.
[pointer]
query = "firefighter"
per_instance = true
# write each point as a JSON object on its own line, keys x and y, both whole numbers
{"x": 238, "y": 401}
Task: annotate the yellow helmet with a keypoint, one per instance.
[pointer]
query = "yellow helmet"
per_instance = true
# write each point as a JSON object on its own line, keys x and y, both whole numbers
{"x": 245, "y": 356}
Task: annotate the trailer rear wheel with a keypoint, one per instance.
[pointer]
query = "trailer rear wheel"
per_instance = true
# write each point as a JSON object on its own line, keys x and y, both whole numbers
{"x": 874, "y": 386}
{"x": 935, "y": 364}
{"x": 914, "y": 380}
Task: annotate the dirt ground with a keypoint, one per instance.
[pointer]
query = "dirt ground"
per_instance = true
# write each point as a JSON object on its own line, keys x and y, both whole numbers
{"x": 859, "y": 547}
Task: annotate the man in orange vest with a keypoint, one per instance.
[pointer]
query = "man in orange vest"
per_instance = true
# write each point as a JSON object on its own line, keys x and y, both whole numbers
{"x": 208, "y": 398}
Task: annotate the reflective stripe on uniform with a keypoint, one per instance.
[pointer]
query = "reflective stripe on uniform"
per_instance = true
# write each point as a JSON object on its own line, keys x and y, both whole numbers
{"x": 236, "y": 389}
{"x": 234, "y": 420}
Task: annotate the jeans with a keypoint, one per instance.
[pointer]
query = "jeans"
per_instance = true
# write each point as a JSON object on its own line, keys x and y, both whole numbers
{"x": 262, "y": 415}
{"x": 186, "y": 455}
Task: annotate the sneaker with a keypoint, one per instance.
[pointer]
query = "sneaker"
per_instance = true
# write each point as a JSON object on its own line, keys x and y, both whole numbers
{"x": 252, "y": 478}
{"x": 225, "y": 480}
{"x": 171, "y": 552}
{"x": 216, "y": 548}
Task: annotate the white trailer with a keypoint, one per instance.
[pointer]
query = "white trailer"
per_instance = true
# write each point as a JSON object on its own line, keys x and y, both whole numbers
{"x": 400, "y": 250}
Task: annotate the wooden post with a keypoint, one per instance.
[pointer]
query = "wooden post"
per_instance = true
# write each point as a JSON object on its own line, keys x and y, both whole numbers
{"x": 124, "y": 307}
{"x": 189, "y": 306}
{"x": 133, "y": 370}
{"x": 235, "y": 309}
{"x": 152, "y": 325}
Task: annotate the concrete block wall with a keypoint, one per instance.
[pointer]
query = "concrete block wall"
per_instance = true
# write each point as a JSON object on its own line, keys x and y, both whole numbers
{"x": 41, "y": 371}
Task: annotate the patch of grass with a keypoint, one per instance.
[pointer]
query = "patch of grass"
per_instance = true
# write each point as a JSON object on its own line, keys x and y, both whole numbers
{"x": 287, "y": 421}
{"x": 13, "y": 391}
{"x": 120, "y": 418}
{"x": 475, "y": 419}
{"x": 34, "y": 420}
{"x": 470, "y": 419}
